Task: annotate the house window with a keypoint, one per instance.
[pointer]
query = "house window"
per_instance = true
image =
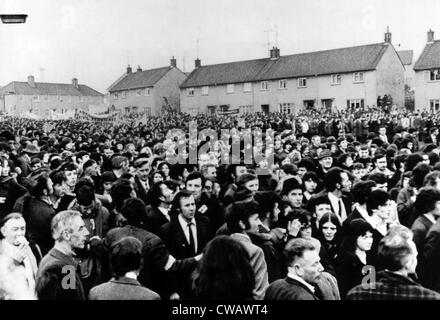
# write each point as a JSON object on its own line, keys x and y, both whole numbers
{"x": 116, "y": 96}
{"x": 205, "y": 90}
{"x": 139, "y": 92}
{"x": 358, "y": 77}
{"x": 81, "y": 99}
{"x": 247, "y": 109}
{"x": 336, "y": 79}
{"x": 124, "y": 94}
{"x": 230, "y": 88}
{"x": 282, "y": 84}
{"x": 434, "y": 104}
{"x": 46, "y": 97}
{"x": 264, "y": 85}
{"x": 247, "y": 87}
{"x": 286, "y": 107}
{"x": 434, "y": 75}
{"x": 148, "y": 111}
{"x": 302, "y": 82}
{"x": 355, "y": 103}
{"x": 190, "y": 92}
{"x": 147, "y": 92}
{"x": 36, "y": 98}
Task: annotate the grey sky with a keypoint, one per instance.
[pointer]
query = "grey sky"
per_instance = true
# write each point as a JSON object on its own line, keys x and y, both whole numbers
{"x": 94, "y": 39}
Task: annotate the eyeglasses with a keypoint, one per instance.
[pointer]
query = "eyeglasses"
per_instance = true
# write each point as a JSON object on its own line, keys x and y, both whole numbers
{"x": 306, "y": 226}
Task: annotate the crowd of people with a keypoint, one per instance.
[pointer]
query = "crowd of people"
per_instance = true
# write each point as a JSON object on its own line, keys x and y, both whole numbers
{"x": 347, "y": 208}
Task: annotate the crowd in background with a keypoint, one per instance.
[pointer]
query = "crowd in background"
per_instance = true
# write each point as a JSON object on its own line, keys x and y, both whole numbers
{"x": 346, "y": 209}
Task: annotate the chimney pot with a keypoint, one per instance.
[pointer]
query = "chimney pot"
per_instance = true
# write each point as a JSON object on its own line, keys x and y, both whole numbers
{"x": 388, "y": 36}
{"x": 31, "y": 81}
{"x": 129, "y": 69}
{"x": 197, "y": 63}
{"x": 75, "y": 82}
{"x": 173, "y": 62}
{"x": 139, "y": 69}
{"x": 430, "y": 36}
{"x": 274, "y": 53}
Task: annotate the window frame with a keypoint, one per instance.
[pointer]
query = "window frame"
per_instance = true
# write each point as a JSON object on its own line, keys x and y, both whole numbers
{"x": 190, "y": 92}
{"x": 230, "y": 88}
{"x": 282, "y": 84}
{"x": 264, "y": 85}
{"x": 249, "y": 84}
{"x": 300, "y": 84}
{"x": 359, "y": 76}
{"x": 338, "y": 78}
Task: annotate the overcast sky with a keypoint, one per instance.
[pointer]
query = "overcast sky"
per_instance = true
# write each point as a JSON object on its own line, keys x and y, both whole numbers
{"x": 95, "y": 39}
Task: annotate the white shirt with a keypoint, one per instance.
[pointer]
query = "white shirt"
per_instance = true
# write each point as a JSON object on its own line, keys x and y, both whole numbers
{"x": 430, "y": 217}
{"x": 164, "y": 212}
{"x": 335, "y": 204}
{"x": 184, "y": 225}
{"x": 364, "y": 214}
{"x": 293, "y": 276}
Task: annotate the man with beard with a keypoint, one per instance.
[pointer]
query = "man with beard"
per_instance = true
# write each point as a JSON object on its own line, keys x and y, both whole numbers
{"x": 161, "y": 198}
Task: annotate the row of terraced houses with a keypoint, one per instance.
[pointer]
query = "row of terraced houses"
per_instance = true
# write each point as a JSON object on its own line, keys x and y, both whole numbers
{"x": 330, "y": 79}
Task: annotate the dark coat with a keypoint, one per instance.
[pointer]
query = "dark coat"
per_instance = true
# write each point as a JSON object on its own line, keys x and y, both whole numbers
{"x": 50, "y": 275}
{"x": 429, "y": 259}
{"x": 38, "y": 215}
{"x": 175, "y": 240}
{"x": 420, "y": 229}
{"x": 289, "y": 289}
{"x": 141, "y": 193}
{"x": 10, "y": 191}
{"x": 155, "y": 219}
{"x": 349, "y": 271}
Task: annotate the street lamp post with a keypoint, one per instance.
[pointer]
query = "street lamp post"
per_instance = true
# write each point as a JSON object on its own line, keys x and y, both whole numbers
{"x": 13, "y": 18}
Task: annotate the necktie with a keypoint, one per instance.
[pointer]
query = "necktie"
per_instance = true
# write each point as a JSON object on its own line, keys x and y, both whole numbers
{"x": 342, "y": 214}
{"x": 191, "y": 239}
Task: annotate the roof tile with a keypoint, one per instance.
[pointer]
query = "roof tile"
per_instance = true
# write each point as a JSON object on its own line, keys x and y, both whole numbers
{"x": 430, "y": 57}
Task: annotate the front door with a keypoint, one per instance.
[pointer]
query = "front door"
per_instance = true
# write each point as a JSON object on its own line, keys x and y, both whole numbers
{"x": 327, "y": 104}
{"x": 211, "y": 110}
{"x": 265, "y": 108}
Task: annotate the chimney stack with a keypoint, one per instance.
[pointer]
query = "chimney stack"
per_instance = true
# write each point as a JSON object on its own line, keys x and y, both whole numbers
{"x": 139, "y": 69}
{"x": 430, "y": 36}
{"x": 75, "y": 82}
{"x": 173, "y": 62}
{"x": 31, "y": 81}
{"x": 274, "y": 53}
{"x": 388, "y": 36}
{"x": 128, "y": 69}
{"x": 197, "y": 63}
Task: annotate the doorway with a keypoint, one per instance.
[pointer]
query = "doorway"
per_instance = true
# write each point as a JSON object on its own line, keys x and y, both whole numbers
{"x": 265, "y": 108}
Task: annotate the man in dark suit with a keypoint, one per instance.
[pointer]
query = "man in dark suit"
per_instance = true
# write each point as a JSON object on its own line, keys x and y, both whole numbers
{"x": 335, "y": 182}
{"x": 161, "y": 198}
{"x": 186, "y": 235}
{"x": 304, "y": 272}
{"x": 141, "y": 186}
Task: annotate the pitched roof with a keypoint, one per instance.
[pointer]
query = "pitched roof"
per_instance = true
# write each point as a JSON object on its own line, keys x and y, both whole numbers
{"x": 406, "y": 56}
{"x": 139, "y": 79}
{"x": 43, "y": 88}
{"x": 430, "y": 57}
{"x": 352, "y": 59}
